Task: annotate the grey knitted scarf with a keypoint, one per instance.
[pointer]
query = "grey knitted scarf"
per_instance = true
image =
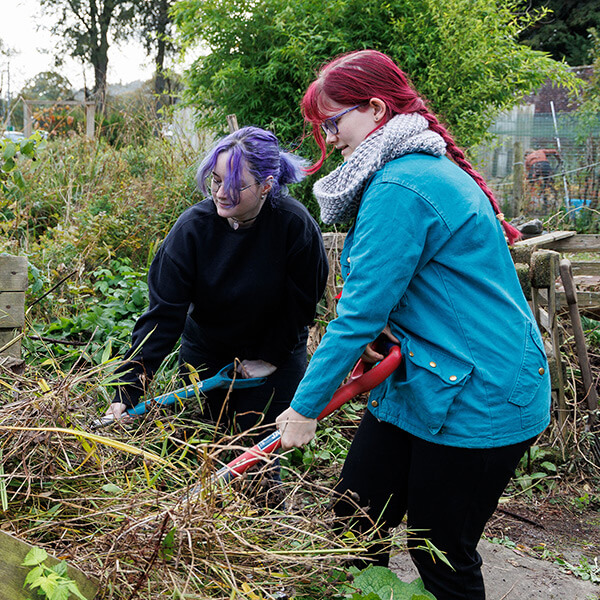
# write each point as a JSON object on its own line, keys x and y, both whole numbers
{"x": 339, "y": 193}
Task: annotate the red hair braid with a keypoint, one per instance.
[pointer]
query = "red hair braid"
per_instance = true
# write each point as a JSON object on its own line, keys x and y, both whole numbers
{"x": 458, "y": 156}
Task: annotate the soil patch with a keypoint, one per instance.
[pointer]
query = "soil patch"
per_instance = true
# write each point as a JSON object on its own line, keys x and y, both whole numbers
{"x": 537, "y": 536}
{"x": 549, "y": 526}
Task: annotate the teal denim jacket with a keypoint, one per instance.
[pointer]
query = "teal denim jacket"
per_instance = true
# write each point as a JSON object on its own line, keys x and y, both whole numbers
{"x": 427, "y": 256}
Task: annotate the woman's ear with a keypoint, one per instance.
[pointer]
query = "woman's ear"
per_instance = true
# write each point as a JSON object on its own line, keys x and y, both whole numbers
{"x": 267, "y": 184}
{"x": 379, "y": 109}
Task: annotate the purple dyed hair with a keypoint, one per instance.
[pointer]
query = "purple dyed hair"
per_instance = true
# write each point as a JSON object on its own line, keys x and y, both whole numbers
{"x": 258, "y": 150}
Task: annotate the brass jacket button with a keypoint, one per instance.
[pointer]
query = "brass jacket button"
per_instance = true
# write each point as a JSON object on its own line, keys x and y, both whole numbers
{"x": 374, "y": 403}
{"x": 453, "y": 377}
{"x": 542, "y": 370}
{"x": 432, "y": 364}
{"x": 411, "y": 353}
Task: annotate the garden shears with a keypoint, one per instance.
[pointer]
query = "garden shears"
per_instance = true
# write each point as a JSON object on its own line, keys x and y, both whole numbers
{"x": 222, "y": 380}
{"x": 363, "y": 378}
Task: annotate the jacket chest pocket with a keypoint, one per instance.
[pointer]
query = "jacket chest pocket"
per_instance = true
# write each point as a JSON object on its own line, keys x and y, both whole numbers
{"x": 433, "y": 381}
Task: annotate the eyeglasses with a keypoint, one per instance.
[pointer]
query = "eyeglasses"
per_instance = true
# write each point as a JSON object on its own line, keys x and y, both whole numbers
{"x": 330, "y": 125}
{"x": 216, "y": 185}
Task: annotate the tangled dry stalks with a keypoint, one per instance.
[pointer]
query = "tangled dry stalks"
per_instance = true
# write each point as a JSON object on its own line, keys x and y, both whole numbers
{"x": 113, "y": 502}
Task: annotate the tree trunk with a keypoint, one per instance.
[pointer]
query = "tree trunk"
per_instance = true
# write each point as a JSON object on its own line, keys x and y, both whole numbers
{"x": 160, "y": 80}
{"x": 99, "y": 51}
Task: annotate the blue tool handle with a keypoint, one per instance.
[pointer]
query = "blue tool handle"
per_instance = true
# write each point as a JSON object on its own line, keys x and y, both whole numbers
{"x": 221, "y": 380}
{"x": 165, "y": 399}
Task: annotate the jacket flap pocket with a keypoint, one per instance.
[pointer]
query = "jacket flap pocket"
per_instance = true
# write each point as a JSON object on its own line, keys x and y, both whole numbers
{"x": 434, "y": 379}
{"x": 449, "y": 369}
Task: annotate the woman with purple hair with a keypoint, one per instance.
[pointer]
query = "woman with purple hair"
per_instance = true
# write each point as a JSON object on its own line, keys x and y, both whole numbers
{"x": 237, "y": 277}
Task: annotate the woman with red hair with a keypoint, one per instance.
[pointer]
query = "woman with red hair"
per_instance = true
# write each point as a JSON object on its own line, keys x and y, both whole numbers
{"x": 426, "y": 262}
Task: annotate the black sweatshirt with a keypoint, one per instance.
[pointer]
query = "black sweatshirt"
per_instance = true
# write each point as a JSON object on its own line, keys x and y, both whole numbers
{"x": 251, "y": 291}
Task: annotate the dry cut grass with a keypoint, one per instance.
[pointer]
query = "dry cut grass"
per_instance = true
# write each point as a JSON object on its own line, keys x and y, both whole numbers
{"x": 113, "y": 501}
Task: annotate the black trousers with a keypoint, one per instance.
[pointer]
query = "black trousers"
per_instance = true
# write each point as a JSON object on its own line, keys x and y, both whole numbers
{"x": 243, "y": 409}
{"x": 447, "y": 493}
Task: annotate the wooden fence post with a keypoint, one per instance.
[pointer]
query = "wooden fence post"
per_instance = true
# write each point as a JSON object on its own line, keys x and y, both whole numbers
{"x": 13, "y": 283}
{"x": 27, "y": 119}
{"x": 232, "y": 123}
{"x": 518, "y": 179}
{"x": 538, "y": 271}
{"x": 90, "y": 117}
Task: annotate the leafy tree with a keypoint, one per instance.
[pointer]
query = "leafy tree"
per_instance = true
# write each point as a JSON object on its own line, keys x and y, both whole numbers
{"x": 156, "y": 27}
{"x": 48, "y": 85}
{"x": 565, "y": 31}
{"x": 86, "y": 26}
{"x": 462, "y": 55}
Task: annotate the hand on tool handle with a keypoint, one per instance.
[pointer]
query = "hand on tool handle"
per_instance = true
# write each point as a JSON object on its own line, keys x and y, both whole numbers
{"x": 255, "y": 368}
{"x": 225, "y": 378}
{"x": 371, "y": 354}
{"x": 362, "y": 379}
{"x": 297, "y": 430}
{"x": 116, "y": 410}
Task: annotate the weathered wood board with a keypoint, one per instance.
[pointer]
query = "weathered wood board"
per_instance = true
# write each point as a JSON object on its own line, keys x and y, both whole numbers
{"x": 13, "y": 273}
{"x": 13, "y": 283}
{"x": 576, "y": 243}
{"x": 12, "y": 310}
{"x": 12, "y": 574}
{"x": 547, "y": 240}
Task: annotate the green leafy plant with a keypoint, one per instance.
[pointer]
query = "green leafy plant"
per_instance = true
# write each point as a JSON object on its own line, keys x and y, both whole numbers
{"x": 108, "y": 309}
{"x": 51, "y": 583}
{"x": 535, "y": 471}
{"x": 11, "y": 177}
{"x": 379, "y": 583}
{"x": 587, "y": 569}
{"x": 591, "y": 327}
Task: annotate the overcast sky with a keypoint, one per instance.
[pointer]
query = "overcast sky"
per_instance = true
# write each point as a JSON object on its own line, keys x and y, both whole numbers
{"x": 34, "y": 52}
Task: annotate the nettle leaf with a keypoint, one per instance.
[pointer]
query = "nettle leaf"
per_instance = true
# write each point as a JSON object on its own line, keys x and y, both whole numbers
{"x": 9, "y": 165}
{"x": 60, "y": 593}
{"x": 60, "y": 568}
{"x": 168, "y": 544}
{"x": 18, "y": 180}
{"x": 10, "y": 151}
{"x": 72, "y": 587}
{"x": 28, "y": 148}
{"x": 48, "y": 585}
{"x": 34, "y": 557}
{"x": 111, "y": 488}
{"x": 387, "y": 586}
{"x": 33, "y": 575}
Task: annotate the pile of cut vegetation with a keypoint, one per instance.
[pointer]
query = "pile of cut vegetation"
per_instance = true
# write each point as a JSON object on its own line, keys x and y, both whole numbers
{"x": 113, "y": 502}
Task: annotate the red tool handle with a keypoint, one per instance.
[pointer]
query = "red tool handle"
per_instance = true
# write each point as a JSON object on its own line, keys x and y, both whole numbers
{"x": 362, "y": 379}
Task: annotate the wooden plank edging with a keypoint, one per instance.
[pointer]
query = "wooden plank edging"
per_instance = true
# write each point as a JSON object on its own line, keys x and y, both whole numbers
{"x": 12, "y": 574}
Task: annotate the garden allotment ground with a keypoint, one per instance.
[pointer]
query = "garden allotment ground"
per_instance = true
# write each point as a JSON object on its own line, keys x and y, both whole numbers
{"x": 89, "y": 215}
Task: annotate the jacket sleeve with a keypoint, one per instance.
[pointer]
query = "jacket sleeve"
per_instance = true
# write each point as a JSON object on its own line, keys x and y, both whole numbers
{"x": 305, "y": 279}
{"x": 156, "y": 332}
{"x": 395, "y": 234}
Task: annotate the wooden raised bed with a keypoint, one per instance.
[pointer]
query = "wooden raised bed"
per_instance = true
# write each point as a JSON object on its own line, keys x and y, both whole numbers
{"x": 12, "y": 574}
{"x": 13, "y": 284}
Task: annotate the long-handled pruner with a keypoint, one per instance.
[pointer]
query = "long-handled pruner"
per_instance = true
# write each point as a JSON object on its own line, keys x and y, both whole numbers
{"x": 223, "y": 379}
{"x": 362, "y": 379}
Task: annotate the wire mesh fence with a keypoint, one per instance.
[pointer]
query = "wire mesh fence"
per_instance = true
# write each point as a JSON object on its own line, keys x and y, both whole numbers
{"x": 540, "y": 162}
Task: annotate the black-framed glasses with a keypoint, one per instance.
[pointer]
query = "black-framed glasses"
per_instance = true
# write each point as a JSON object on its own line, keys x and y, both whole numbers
{"x": 216, "y": 185}
{"x": 330, "y": 125}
